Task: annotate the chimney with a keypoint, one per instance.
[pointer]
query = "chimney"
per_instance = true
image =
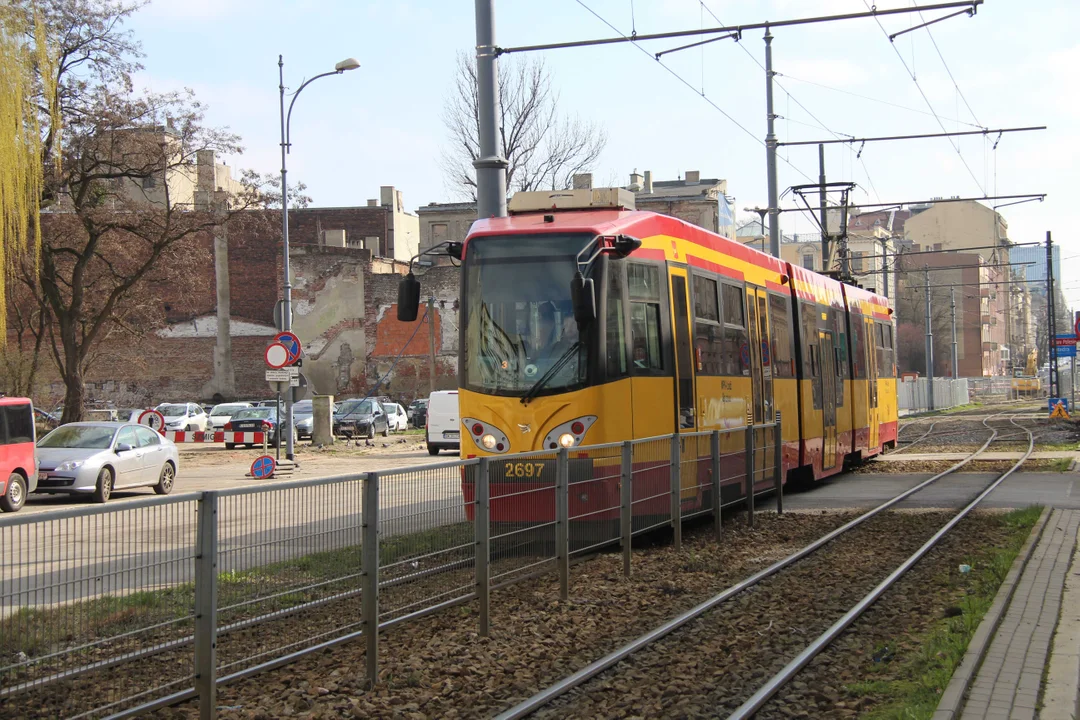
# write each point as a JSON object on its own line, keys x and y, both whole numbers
{"x": 648, "y": 182}
{"x": 583, "y": 181}
{"x": 693, "y": 177}
{"x": 635, "y": 182}
{"x": 386, "y": 192}
{"x": 336, "y": 238}
{"x": 372, "y": 202}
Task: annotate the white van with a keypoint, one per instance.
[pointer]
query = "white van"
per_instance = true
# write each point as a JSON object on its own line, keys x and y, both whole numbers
{"x": 443, "y": 428}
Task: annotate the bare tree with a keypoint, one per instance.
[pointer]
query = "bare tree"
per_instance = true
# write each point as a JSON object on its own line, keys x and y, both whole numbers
{"x": 115, "y": 238}
{"x": 544, "y": 148}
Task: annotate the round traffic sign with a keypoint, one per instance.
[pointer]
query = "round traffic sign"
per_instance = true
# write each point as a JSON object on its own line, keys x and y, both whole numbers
{"x": 277, "y": 356}
{"x": 263, "y": 467}
{"x": 291, "y": 343}
{"x": 1076, "y": 325}
{"x": 152, "y": 419}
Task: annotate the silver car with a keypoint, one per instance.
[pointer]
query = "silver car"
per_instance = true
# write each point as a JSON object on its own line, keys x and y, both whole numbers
{"x": 96, "y": 458}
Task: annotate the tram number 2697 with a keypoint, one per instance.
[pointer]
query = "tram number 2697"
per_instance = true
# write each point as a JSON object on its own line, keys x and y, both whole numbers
{"x": 524, "y": 470}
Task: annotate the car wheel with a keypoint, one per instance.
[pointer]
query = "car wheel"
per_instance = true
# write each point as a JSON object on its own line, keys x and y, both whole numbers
{"x": 432, "y": 450}
{"x": 230, "y": 446}
{"x": 371, "y": 431}
{"x": 15, "y": 497}
{"x": 386, "y": 430}
{"x": 103, "y": 489}
{"x": 189, "y": 428}
{"x": 166, "y": 479}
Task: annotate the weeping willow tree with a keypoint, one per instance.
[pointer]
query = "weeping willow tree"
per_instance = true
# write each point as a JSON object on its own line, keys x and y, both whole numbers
{"x": 26, "y": 86}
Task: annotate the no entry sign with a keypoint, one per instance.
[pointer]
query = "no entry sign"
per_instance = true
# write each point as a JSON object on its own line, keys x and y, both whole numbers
{"x": 277, "y": 356}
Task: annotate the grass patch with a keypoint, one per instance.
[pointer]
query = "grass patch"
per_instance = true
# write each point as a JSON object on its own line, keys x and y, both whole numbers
{"x": 923, "y": 666}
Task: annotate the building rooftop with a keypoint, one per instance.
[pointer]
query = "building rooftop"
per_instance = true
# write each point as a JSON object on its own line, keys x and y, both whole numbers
{"x": 446, "y": 207}
{"x": 678, "y": 189}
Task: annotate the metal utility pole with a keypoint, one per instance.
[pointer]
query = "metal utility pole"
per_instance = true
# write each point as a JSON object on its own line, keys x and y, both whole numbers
{"x": 884, "y": 268}
{"x": 770, "y": 151}
{"x": 431, "y": 344}
{"x": 1054, "y": 379}
{"x": 490, "y": 166}
{"x": 952, "y": 309}
{"x": 824, "y": 213}
{"x": 929, "y": 342}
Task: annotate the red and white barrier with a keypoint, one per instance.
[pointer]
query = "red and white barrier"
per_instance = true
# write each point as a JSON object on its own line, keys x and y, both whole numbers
{"x": 246, "y": 438}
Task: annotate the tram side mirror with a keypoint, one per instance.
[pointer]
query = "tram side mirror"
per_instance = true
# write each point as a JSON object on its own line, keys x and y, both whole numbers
{"x": 455, "y": 250}
{"x": 408, "y": 298}
{"x": 584, "y": 299}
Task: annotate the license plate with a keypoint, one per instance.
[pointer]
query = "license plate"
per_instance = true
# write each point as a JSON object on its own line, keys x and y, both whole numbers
{"x": 42, "y": 476}
{"x": 452, "y": 434}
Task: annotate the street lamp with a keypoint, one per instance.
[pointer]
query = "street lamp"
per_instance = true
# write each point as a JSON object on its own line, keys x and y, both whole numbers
{"x": 762, "y": 212}
{"x": 286, "y": 305}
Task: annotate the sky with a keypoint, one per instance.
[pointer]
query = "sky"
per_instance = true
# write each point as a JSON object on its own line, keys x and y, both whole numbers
{"x": 1013, "y": 64}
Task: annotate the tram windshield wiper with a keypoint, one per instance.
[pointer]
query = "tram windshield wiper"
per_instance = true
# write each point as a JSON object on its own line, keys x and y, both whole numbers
{"x": 552, "y": 371}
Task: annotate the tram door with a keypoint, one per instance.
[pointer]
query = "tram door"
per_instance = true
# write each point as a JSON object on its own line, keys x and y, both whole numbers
{"x": 872, "y": 378}
{"x": 686, "y": 413}
{"x": 757, "y": 319}
{"x": 828, "y": 398}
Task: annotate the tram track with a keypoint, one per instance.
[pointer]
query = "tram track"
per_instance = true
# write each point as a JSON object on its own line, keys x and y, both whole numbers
{"x": 657, "y": 642}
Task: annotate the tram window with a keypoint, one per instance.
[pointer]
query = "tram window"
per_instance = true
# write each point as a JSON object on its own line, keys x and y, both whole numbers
{"x": 643, "y": 281}
{"x": 780, "y": 334}
{"x": 808, "y": 312}
{"x": 645, "y": 335}
{"x": 733, "y": 305}
{"x": 736, "y": 354}
{"x": 616, "y": 332}
{"x": 709, "y": 348}
{"x": 705, "y": 299}
{"x": 858, "y": 332}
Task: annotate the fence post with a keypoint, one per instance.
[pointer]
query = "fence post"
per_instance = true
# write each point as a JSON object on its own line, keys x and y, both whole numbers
{"x": 676, "y": 489}
{"x": 483, "y": 545}
{"x": 369, "y": 566}
{"x": 714, "y": 455}
{"x": 562, "y": 521}
{"x": 778, "y": 464}
{"x": 748, "y": 481}
{"x": 626, "y": 515}
{"x": 206, "y": 590}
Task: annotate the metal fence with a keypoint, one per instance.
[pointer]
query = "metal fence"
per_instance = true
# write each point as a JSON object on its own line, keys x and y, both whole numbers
{"x": 914, "y": 396}
{"x": 114, "y": 611}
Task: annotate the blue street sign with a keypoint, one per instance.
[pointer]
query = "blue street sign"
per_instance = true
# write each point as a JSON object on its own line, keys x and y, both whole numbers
{"x": 1067, "y": 351}
{"x": 263, "y": 467}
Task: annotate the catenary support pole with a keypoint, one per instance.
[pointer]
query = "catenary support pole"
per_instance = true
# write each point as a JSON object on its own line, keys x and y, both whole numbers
{"x": 952, "y": 311}
{"x": 822, "y": 198}
{"x": 490, "y": 166}
{"x": 1051, "y": 325}
{"x": 929, "y": 342}
{"x": 431, "y": 344}
{"x": 770, "y": 151}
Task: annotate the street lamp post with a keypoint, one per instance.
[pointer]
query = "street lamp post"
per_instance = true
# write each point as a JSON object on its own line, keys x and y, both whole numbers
{"x": 286, "y": 305}
{"x": 762, "y": 212}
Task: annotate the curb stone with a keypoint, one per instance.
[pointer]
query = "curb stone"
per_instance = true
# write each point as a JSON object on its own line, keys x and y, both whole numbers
{"x": 952, "y": 700}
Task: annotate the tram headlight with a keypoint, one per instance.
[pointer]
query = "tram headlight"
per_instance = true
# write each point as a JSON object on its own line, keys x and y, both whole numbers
{"x": 566, "y": 440}
{"x": 488, "y": 441}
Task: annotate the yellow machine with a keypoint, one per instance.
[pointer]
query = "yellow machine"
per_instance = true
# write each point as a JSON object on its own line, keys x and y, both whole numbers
{"x": 1026, "y": 382}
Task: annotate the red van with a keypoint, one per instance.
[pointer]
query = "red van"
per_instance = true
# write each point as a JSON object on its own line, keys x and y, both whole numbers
{"x": 18, "y": 461}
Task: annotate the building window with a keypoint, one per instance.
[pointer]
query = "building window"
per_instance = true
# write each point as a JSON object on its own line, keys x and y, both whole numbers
{"x": 857, "y": 261}
{"x": 808, "y": 262}
{"x": 439, "y": 231}
{"x": 149, "y": 182}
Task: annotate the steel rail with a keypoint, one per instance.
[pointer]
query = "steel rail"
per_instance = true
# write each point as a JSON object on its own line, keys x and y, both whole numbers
{"x": 770, "y": 688}
{"x": 545, "y": 696}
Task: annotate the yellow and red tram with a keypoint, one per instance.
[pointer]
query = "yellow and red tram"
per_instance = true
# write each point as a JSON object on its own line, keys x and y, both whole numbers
{"x": 689, "y": 332}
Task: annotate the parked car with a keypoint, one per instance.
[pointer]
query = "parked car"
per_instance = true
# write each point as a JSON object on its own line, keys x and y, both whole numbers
{"x": 360, "y": 418}
{"x": 183, "y": 416}
{"x": 443, "y": 431}
{"x": 256, "y": 419}
{"x": 45, "y": 419}
{"x": 221, "y": 414}
{"x": 18, "y": 462}
{"x": 97, "y": 458}
{"x": 418, "y": 412}
{"x": 130, "y": 415}
{"x": 303, "y": 418}
{"x": 396, "y": 417}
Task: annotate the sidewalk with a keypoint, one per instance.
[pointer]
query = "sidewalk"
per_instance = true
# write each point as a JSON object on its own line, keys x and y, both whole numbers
{"x": 1021, "y": 641}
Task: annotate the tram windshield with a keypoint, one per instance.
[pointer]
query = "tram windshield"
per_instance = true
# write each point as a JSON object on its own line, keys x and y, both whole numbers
{"x": 519, "y": 319}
